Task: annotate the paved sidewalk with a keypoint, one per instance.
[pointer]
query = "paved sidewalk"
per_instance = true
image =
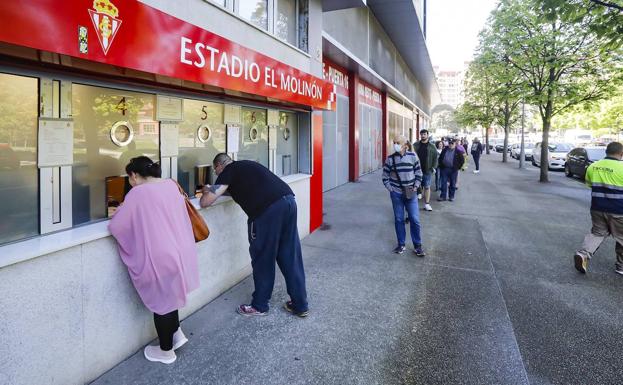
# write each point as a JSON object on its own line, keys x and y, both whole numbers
{"x": 496, "y": 300}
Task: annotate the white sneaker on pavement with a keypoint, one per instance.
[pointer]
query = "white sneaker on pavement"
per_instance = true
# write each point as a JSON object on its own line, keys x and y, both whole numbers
{"x": 179, "y": 339}
{"x": 427, "y": 207}
{"x": 476, "y": 171}
{"x": 153, "y": 353}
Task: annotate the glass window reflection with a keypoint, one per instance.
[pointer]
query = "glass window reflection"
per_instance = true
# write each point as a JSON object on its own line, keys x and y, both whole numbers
{"x": 286, "y": 162}
{"x": 201, "y": 138}
{"x": 254, "y": 136}
{"x": 96, "y": 158}
{"x": 19, "y": 187}
{"x": 285, "y": 24}
{"x": 256, "y": 11}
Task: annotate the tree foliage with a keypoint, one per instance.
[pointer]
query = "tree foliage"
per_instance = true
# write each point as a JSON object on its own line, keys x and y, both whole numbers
{"x": 563, "y": 59}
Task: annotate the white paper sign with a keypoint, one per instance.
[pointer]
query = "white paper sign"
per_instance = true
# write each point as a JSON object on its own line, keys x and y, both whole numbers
{"x": 233, "y": 138}
{"x": 232, "y": 114}
{"x": 56, "y": 142}
{"x": 169, "y": 108}
{"x": 169, "y": 139}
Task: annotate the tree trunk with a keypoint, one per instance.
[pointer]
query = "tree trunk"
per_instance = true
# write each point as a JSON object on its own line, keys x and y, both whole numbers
{"x": 547, "y": 121}
{"x": 505, "y": 154}
{"x": 487, "y": 140}
{"x": 506, "y": 128}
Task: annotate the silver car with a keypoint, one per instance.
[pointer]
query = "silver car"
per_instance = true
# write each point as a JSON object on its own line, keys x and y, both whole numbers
{"x": 527, "y": 147}
{"x": 556, "y": 154}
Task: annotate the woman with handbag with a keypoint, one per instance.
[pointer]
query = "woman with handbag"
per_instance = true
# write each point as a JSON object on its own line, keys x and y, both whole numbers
{"x": 156, "y": 243}
{"x": 402, "y": 175}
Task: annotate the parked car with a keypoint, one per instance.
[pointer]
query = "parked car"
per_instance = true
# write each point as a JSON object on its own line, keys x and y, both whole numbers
{"x": 527, "y": 149}
{"x": 556, "y": 154}
{"x": 580, "y": 158}
{"x": 499, "y": 147}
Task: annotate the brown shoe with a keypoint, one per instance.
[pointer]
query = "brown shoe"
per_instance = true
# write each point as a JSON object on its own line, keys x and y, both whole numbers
{"x": 581, "y": 263}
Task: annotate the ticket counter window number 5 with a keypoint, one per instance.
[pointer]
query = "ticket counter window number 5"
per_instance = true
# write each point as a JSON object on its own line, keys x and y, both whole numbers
{"x": 204, "y": 133}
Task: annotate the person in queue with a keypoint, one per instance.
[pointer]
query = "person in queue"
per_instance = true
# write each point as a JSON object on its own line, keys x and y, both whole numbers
{"x": 476, "y": 150}
{"x": 402, "y": 176}
{"x": 272, "y": 230}
{"x": 605, "y": 178}
{"x": 427, "y": 154}
{"x": 450, "y": 162}
{"x": 156, "y": 243}
{"x": 439, "y": 146}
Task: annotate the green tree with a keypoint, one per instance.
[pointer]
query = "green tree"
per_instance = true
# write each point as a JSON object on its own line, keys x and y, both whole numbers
{"x": 478, "y": 109}
{"x": 564, "y": 63}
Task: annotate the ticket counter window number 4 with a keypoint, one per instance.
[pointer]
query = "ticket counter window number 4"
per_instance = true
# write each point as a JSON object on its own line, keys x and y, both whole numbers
{"x": 121, "y": 133}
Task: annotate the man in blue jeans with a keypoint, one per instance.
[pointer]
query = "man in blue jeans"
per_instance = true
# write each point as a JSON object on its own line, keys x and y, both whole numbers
{"x": 402, "y": 175}
{"x": 450, "y": 162}
{"x": 273, "y": 235}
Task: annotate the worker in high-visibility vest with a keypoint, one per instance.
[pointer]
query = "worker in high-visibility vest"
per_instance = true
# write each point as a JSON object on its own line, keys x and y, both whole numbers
{"x": 605, "y": 178}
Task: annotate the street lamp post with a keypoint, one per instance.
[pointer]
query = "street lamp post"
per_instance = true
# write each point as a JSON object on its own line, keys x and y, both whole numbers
{"x": 522, "y": 154}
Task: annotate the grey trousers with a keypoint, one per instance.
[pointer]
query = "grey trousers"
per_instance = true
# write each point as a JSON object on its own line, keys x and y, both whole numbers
{"x": 604, "y": 224}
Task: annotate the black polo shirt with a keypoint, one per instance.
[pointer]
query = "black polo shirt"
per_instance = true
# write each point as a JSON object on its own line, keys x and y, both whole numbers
{"x": 252, "y": 186}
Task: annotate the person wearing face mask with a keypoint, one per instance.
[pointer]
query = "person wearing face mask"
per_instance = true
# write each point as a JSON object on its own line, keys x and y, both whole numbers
{"x": 402, "y": 175}
{"x": 156, "y": 243}
{"x": 273, "y": 235}
{"x": 605, "y": 178}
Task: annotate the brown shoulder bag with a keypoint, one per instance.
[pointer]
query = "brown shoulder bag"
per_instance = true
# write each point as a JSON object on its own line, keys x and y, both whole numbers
{"x": 200, "y": 227}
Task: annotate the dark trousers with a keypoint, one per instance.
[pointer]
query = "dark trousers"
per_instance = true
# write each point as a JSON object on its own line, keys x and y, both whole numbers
{"x": 166, "y": 326}
{"x": 437, "y": 179}
{"x": 476, "y": 156}
{"x": 448, "y": 176}
{"x": 274, "y": 237}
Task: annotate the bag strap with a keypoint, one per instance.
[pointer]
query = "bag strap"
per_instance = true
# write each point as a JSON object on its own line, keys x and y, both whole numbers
{"x": 181, "y": 189}
{"x": 396, "y": 171}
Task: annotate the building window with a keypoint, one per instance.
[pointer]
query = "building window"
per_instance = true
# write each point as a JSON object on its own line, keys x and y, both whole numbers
{"x": 97, "y": 158}
{"x": 254, "y": 136}
{"x": 19, "y": 187}
{"x": 286, "y": 21}
{"x": 303, "y": 25}
{"x": 201, "y": 138}
{"x": 256, "y": 11}
{"x": 286, "y": 162}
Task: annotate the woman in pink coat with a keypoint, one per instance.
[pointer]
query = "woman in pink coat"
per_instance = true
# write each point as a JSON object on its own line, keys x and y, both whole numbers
{"x": 157, "y": 245}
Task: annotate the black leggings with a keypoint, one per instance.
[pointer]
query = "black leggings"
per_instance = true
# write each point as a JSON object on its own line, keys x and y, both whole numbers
{"x": 166, "y": 326}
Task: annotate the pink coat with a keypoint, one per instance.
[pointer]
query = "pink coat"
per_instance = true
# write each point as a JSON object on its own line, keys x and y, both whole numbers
{"x": 156, "y": 243}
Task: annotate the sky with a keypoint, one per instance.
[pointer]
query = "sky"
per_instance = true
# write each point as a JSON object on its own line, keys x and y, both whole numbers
{"x": 453, "y": 27}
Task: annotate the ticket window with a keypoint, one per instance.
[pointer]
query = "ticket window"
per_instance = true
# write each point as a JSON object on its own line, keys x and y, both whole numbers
{"x": 110, "y": 127}
{"x": 287, "y": 144}
{"x": 202, "y": 135}
{"x": 116, "y": 189}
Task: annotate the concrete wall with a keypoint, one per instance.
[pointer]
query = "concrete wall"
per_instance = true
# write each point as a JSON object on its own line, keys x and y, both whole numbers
{"x": 69, "y": 316}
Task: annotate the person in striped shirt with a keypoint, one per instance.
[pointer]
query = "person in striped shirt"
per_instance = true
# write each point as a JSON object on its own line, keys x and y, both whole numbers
{"x": 402, "y": 175}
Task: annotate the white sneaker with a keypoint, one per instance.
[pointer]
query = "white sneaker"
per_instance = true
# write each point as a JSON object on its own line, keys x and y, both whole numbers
{"x": 179, "y": 339}
{"x": 155, "y": 354}
{"x": 476, "y": 171}
{"x": 427, "y": 207}
{"x": 419, "y": 196}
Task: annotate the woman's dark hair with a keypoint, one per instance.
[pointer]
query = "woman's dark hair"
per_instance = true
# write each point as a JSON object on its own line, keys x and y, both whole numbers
{"x": 144, "y": 167}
